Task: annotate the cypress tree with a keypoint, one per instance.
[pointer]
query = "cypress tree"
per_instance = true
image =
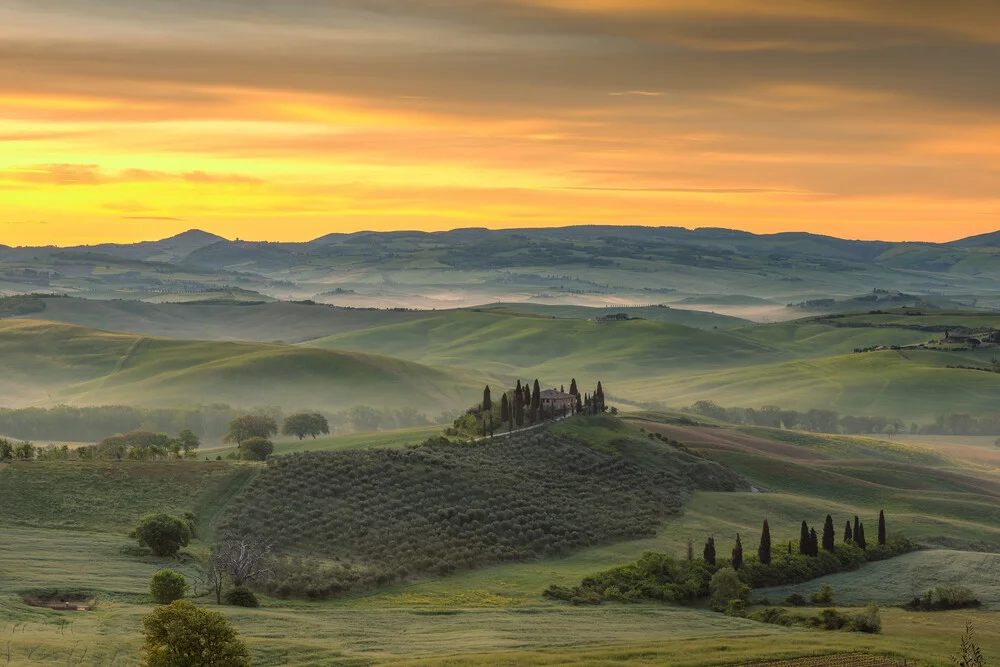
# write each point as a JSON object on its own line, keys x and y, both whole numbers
{"x": 804, "y": 539}
{"x": 527, "y": 396}
{"x": 829, "y": 535}
{"x": 690, "y": 541}
{"x": 738, "y": 553}
{"x": 536, "y": 402}
{"x": 572, "y": 387}
{"x": 857, "y": 529}
{"x": 600, "y": 398}
{"x": 764, "y": 550}
{"x": 487, "y": 401}
{"x": 518, "y": 405}
{"x": 859, "y": 537}
{"x": 813, "y": 543}
{"x": 504, "y": 409}
{"x": 881, "y": 527}
{"x": 579, "y": 403}
{"x": 848, "y": 533}
{"x": 562, "y": 389}
{"x": 709, "y": 552}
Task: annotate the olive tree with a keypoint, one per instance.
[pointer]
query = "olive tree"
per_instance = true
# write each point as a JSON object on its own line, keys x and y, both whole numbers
{"x": 184, "y": 635}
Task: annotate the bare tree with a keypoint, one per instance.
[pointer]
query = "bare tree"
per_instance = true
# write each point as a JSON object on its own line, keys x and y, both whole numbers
{"x": 239, "y": 561}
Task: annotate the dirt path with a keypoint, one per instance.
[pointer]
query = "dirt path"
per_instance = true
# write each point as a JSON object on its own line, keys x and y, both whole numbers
{"x": 134, "y": 350}
{"x": 520, "y": 430}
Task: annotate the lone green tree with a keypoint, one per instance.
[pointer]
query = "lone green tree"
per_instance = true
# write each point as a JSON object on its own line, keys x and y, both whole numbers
{"x": 709, "y": 552}
{"x": 251, "y": 426}
{"x": 848, "y": 533}
{"x": 857, "y": 530}
{"x": 188, "y": 441}
{"x": 813, "y": 543}
{"x": 764, "y": 550}
{"x": 487, "y": 400}
{"x": 167, "y": 586}
{"x": 829, "y": 535}
{"x": 162, "y": 533}
{"x": 184, "y": 635}
{"x": 859, "y": 537}
{"x": 304, "y": 423}
{"x": 572, "y": 387}
{"x": 738, "y": 553}
{"x": 881, "y": 528}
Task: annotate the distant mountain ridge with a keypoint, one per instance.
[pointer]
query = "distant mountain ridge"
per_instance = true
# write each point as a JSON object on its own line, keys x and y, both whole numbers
{"x": 599, "y": 265}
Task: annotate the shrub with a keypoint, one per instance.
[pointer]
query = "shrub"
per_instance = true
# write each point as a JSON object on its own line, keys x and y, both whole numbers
{"x": 162, "y": 533}
{"x": 945, "y": 597}
{"x": 256, "y": 449}
{"x": 241, "y": 596}
{"x": 167, "y": 586}
{"x": 183, "y": 635}
{"x": 828, "y": 619}
{"x": 953, "y": 596}
{"x": 795, "y": 600}
{"x": 870, "y": 621}
{"x": 823, "y": 596}
{"x": 725, "y": 586}
{"x": 773, "y": 615}
{"x": 736, "y": 608}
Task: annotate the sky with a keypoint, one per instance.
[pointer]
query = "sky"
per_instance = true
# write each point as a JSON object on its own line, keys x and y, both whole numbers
{"x": 124, "y": 120}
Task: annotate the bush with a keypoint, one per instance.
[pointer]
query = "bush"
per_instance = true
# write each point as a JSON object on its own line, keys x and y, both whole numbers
{"x": 725, "y": 586}
{"x": 256, "y": 449}
{"x": 828, "y": 619}
{"x": 241, "y": 596}
{"x": 182, "y": 634}
{"x": 945, "y": 597}
{"x": 162, "y": 533}
{"x": 774, "y": 616}
{"x": 167, "y": 586}
{"x": 795, "y": 600}
{"x": 870, "y": 621}
{"x": 736, "y": 608}
{"x": 823, "y": 596}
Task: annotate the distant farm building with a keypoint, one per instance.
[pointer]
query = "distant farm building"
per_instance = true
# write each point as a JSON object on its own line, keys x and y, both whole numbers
{"x": 555, "y": 401}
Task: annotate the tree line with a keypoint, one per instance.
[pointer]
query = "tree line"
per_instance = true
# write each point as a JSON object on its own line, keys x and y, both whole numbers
{"x": 830, "y": 421}
{"x": 91, "y": 424}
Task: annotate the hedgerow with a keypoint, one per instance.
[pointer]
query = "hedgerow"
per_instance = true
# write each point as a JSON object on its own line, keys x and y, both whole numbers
{"x": 376, "y": 516}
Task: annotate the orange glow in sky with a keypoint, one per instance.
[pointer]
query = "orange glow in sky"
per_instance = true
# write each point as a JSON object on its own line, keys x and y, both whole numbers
{"x": 124, "y": 120}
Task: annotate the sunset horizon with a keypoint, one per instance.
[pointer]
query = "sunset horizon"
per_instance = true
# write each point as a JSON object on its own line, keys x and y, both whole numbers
{"x": 123, "y": 121}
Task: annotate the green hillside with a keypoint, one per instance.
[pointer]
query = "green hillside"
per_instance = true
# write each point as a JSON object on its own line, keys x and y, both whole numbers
{"x": 912, "y": 385}
{"x": 62, "y": 363}
{"x": 212, "y": 320}
{"x": 554, "y": 349}
{"x": 689, "y": 318}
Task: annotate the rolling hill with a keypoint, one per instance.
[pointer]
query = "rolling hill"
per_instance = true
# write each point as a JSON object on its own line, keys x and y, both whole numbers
{"x": 52, "y": 363}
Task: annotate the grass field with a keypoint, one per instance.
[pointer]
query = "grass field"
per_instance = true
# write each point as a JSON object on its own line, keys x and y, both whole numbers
{"x": 64, "y": 527}
{"x": 52, "y": 363}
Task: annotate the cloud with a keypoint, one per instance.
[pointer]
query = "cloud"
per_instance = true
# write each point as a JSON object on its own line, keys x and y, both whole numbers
{"x": 151, "y": 217}
{"x": 91, "y": 174}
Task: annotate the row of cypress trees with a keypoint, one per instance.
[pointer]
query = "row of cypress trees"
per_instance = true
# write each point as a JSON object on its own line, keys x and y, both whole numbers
{"x": 524, "y": 404}
{"x": 809, "y": 541}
